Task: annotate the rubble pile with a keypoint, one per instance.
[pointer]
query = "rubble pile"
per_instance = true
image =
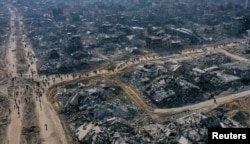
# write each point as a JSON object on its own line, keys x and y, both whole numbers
{"x": 4, "y": 36}
{"x": 4, "y": 23}
{"x": 64, "y": 65}
{"x": 191, "y": 127}
{"x": 4, "y": 102}
{"x": 188, "y": 82}
{"x": 96, "y": 117}
{"x": 211, "y": 60}
{"x": 100, "y": 114}
{"x": 120, "y": 29}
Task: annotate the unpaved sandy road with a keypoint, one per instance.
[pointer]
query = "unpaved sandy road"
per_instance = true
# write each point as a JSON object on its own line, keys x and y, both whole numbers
{"x": 233, "y": 56}
{"x": 15, "y": 125}
{"x": 11, "y": 52}
{"x": 45, "y": 113}
{"x": 55, "y": 134}
{"x": 44, "y": 110}
{"x": 205, "y": 104}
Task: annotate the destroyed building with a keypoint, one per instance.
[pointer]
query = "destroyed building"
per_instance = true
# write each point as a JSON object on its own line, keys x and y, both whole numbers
{"x": 91, "y": 111}
{"x": 4, "y": 23}
{"x": 96, "y": 118}
{"x": 86, "y": 36}
{"x": 153, "y": 42}
{"x": 185, "y": 83}
{"x": 74, "y": 43}
{"x": 54, "y": 54}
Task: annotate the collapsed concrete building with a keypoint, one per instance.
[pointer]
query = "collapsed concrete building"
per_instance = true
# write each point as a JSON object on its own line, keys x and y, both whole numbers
{"x": 101, "y": 113}
{"x": 73, "y": 43}
{"x": 108, "y": 31}
{"x": 188, "y": 82}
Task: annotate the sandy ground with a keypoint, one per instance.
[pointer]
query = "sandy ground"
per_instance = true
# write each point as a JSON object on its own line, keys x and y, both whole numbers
{"x": 11, "y": 52}
{"x": 44, "y": 111}
{"x": 47, "y": 115}
{"x": 15, "y": 126}
{"x": 205, "y": 104}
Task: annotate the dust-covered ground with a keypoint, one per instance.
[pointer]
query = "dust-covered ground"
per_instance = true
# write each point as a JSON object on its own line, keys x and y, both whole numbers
{"x": 30, "y": 130}
{"x": 239, "y": 110}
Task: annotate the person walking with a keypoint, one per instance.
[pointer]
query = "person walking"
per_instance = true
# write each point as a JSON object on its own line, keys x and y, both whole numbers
{"x": 46, "y": 127}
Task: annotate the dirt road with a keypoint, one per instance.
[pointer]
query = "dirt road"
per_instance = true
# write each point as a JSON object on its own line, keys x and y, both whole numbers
{"x": 15, "y": 126}
{"x": 205, "y": 104}
{"x": 233, "y": 56}
{"x": 132, "y": 94}
{"x": 11, "y": 52}
{"x": 47, "y": 115}
{"x": 44, "y": 111}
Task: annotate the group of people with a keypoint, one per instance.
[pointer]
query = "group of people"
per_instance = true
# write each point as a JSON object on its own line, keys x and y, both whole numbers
{"x": 17, "y": 101}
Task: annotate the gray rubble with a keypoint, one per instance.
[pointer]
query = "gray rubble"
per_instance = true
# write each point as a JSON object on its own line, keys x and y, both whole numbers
{"x": 188, "y": 82}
